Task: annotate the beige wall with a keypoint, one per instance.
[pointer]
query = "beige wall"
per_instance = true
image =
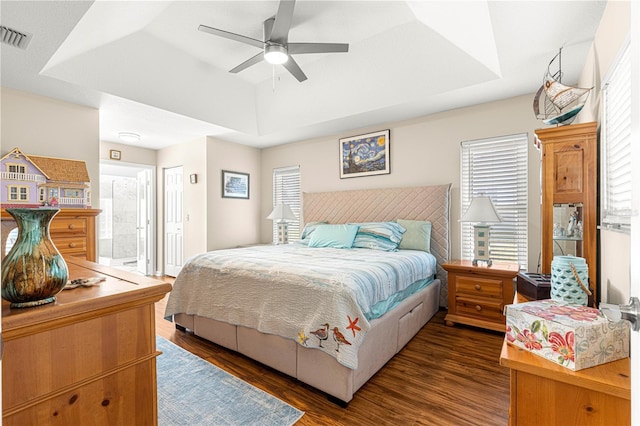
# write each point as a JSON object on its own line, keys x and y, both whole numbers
{"x": 210, "y": 221}
{"x": 614, "y": 246}
{"x": 129, "y": 154}
{"x": 424, "y": 151}
{"x": 44, "y": 126}
{"x": 193, "y": 159}
{"x": 232, "y": 222}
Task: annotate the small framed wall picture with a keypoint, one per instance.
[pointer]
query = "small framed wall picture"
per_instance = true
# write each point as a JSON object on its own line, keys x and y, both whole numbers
{"x": 193, "y": 178}
{"x": 114, "y": 154}
{"x": 235, "y": 185}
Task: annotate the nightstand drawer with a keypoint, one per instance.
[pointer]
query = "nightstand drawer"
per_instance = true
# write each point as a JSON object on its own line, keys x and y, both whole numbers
{"x": 479, "y": 287}
{"x": 480, "y": 308}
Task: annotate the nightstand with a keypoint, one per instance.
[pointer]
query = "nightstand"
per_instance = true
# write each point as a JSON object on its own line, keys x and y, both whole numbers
{"x": 477, "y": 294}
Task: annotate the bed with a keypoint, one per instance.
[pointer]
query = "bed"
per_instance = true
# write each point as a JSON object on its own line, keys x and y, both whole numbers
{"x": 328, "y": 332}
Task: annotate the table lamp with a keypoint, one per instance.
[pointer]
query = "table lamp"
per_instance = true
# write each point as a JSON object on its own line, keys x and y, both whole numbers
{"x": 281, "y": 214}
{"x": 481, "y": 212}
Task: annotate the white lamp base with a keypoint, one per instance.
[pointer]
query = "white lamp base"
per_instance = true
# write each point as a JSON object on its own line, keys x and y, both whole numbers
{"x": 283, "y": 233}
{"x": 481, "y": 244}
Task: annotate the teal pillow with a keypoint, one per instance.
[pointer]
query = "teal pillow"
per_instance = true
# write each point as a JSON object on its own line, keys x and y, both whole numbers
{"x": 383, "y": 236}
{"x": 417, "y": 235}
{"x": 336, "y": 236}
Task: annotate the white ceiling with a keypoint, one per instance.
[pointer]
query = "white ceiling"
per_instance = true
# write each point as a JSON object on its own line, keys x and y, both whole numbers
{"x": 149, "y": 70}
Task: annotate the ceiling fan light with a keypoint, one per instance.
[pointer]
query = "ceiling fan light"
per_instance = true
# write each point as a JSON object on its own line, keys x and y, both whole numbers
{"x": 275, "y": 54}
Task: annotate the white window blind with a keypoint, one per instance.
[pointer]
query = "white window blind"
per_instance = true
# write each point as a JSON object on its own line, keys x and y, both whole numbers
{"x": 616, "y": 145}
{"x": 497, "y": 167}
{"x": 286, "y": 190}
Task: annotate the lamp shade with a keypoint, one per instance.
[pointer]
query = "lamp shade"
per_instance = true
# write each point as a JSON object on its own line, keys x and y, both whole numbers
{"x": 481, "y": 210}
{"x": 281, "y": 212}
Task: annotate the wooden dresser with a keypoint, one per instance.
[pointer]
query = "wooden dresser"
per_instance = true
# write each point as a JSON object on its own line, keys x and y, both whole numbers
{"x": 545, "y": 393}
{"x": 73, "y": 231}
{"x": 87, "y": 359}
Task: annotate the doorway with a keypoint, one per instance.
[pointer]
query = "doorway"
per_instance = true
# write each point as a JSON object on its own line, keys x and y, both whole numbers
{"x": 126, "y": 237}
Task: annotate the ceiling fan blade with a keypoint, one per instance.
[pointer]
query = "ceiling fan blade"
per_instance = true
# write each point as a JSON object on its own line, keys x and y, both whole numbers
{"x": 280, "y": 30}
{"x": 298, "y": 48}
{"x": 232, "y": 36}
{"x": 292, "y": 66}
{"x": 249, "y": 62}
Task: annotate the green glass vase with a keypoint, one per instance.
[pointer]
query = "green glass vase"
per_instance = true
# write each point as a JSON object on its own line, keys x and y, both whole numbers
{"x": 33, "y": 271}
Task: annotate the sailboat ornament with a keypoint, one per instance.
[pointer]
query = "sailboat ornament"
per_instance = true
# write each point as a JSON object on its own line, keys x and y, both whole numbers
{"x": 560, "y": 103}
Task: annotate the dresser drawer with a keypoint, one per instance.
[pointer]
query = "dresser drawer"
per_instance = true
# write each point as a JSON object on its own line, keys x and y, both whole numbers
{"x": 73, "y": 245}
{"x": 486, "y": 309}
{"x": 68, "y": 225}
{"x": 478, "y": 287}
{"x": 124, "y": 397}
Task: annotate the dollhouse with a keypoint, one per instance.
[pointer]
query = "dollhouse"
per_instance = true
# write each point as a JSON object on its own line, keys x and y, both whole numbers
{"x": 33, "y": 181}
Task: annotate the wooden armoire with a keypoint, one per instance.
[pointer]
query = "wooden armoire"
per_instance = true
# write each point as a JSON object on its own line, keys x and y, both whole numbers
{"x": 569, "y": 196}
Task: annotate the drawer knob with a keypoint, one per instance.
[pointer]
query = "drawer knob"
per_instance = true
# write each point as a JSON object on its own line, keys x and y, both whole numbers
{"x": 72, "y": 245}
{"x": 72, "y": 226}
{"x": 478, "y": 308}
{"x": 478, "y": 287}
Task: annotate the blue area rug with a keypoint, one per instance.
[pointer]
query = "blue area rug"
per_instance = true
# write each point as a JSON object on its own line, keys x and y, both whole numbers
{"x": 192, "y": 391}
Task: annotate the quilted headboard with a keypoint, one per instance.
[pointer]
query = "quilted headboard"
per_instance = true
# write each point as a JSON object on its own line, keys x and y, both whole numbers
{"x": 430, "y": 203}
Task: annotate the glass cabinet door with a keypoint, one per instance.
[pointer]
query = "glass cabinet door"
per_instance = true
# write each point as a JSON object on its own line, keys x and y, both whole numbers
{"x": 568, "y": 230}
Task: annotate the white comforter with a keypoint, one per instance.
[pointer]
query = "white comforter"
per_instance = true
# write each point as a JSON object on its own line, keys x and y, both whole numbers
{"x": 316, "y": 296}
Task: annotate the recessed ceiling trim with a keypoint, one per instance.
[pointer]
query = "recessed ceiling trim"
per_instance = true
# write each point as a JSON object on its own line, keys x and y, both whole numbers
{"x": 15, "y": 38}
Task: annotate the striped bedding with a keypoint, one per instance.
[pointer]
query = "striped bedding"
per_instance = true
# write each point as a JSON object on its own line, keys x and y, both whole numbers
{"x": 321, "y": 297}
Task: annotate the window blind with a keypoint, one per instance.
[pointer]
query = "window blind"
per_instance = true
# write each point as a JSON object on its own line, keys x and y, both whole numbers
{"x": 497, "y": 167}
{"x": 286, "y": 190}
{"x": 616, "y": 144}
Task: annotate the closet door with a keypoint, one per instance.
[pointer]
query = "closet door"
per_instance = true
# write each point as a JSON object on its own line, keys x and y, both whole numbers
{"x": 173, "y": 242}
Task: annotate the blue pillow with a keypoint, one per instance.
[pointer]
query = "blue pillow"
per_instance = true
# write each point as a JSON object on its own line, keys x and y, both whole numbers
{"x": 385, "y": 236}
{"x": 336, "y": 236}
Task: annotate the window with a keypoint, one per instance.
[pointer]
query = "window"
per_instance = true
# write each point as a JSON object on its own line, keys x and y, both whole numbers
{"x": 616, "y": 144}
{"x": 17, "y": 168}
{"x": 18, "y": 193}
{"x": 286, "y": 190}
{"x": 497, "y": 167}
{"x": 72, "y": 193}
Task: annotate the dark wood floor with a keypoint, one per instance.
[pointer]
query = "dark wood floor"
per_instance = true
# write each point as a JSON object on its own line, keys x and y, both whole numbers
{"x": 444, "y": 376}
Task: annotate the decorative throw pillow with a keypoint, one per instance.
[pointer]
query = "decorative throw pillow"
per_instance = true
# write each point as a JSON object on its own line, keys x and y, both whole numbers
{"x": 418, "y": 235}
{"x": 336, "y": 236}
{"x": 383, "y": 236}
{"x": 308, "y": 230}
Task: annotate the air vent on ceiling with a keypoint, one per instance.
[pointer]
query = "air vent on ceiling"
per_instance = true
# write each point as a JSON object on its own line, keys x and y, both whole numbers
{"x": 14, "y": 38}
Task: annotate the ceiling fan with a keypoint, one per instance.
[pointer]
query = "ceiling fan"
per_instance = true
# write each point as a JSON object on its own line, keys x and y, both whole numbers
{"x": 276, "y": 47}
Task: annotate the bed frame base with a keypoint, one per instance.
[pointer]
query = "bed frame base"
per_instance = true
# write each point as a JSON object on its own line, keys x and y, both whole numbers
{"x": 386, "y": 337}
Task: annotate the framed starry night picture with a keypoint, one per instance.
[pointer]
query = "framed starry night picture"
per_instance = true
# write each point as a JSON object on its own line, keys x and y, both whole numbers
{"x": 365, "y": 155}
